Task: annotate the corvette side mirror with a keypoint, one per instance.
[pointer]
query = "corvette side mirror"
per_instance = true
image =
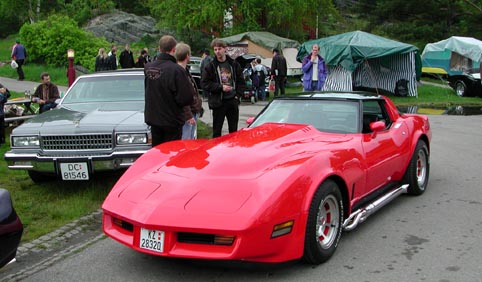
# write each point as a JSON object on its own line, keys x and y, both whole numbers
{"x": 377, "y": 126}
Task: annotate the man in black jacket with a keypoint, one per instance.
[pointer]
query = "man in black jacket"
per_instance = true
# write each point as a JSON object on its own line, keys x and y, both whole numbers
{"x": 167, "y": 91}
{"x": 126, "y": 58}
{"x": 4, "y": 95}
{"x": 278, "y": 72}
{"x": 223, "y": 79}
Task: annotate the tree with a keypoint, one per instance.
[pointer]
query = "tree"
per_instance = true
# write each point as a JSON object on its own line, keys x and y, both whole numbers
{"x": 420, "y": 22}
{"x": 12, "y": 14}
{"x": 290, "y": 18}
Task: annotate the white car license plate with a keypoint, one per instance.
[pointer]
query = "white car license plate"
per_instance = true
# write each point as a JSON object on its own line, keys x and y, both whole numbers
{"x": 74, "y": 171}
{"x": 152, "y": 240}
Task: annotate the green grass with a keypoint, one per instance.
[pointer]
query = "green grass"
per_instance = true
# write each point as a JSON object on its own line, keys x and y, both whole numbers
{"x": 32, "y": 73}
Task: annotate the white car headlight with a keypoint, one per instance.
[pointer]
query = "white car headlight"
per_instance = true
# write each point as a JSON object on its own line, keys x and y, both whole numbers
{"x": 25, "y": 141}
{"x": 131, "y": 138}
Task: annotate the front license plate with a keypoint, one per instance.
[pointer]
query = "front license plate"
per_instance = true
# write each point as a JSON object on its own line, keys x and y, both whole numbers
{"x": 74, "y": 171}
{"x": 152, "y": 240}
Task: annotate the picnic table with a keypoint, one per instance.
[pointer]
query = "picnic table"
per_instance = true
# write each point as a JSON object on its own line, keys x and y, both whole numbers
{"x": 28, "y": 112}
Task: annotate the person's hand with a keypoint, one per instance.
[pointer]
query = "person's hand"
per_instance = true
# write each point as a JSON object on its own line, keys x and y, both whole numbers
{"x": 227, "y": 88}
{"x": 191, "y": 121}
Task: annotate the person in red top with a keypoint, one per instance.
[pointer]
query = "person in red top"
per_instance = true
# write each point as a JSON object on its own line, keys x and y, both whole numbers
{"x": 46, "y": 94}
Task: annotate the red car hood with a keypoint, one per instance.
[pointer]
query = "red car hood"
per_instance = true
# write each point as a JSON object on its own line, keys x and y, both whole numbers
{"x": 218, "y": 177}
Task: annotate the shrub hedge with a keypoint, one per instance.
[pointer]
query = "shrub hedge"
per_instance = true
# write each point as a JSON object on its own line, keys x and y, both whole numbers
{"x": 47, "y": 42}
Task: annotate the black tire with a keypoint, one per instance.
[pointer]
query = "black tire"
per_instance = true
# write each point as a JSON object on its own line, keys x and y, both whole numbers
{"x": 324, "y": 225}
{"x": 39, "y": 177}
{"x": 460, "y": 88}
{"x": 418, "y": 170}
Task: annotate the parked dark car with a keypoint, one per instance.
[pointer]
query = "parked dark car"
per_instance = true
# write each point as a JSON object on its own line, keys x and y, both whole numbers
{"x": 11, "y": 229}
{"x": 467, "y": 83}
{"x": 97, "y": 126}
{"x": 195, "y": 70}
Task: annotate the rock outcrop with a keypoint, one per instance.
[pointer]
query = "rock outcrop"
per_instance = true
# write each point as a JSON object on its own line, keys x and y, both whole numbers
{"x": 121, "y": 28}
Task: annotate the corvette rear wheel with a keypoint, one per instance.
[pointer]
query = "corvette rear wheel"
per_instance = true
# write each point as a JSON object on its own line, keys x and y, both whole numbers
{"x": 323, "y": 229}
{"x": 418, "y": 170}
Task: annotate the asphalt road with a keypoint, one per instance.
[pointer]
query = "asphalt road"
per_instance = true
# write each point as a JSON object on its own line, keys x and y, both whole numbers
{"x": 433, "y": 237}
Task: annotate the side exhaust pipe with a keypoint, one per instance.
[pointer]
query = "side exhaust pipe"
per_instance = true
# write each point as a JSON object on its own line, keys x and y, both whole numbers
{"x": 362, "y": 214}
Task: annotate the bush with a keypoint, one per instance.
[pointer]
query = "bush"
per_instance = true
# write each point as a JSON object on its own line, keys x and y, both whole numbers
{"x": 47, "y": 42}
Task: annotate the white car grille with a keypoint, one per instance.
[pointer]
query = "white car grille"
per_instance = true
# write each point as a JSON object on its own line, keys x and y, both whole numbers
{"x": 77, "y": 142}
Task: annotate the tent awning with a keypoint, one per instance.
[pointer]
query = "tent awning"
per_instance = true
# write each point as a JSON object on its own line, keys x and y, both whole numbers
{"x": 266, "y": 39}
{"x": 466, "y": 46}
{"x": 352, "y": 48}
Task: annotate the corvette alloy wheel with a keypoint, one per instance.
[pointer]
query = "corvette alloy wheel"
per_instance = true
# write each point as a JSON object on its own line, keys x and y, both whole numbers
{"x": 324, "y": 225}
{"x": 328, "y": 219}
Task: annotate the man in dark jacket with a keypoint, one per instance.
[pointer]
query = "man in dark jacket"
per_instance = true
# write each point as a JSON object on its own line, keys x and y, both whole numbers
{"x": 126, "y": 58}
{"x": 167, "y": 91}
{"x": 223, "y": 79}
{"x": 46, "y": 94}
{"x": 278, "y": 72}
{"x": 4, "y": 95}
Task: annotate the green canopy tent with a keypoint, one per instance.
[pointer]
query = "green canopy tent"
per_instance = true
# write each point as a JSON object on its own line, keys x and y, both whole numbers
{"x": 360, "y": 60}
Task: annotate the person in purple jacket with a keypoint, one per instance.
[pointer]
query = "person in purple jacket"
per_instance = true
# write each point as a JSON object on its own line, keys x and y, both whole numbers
{"x": 314, "y": 70}
{"x": 19, "y": 54}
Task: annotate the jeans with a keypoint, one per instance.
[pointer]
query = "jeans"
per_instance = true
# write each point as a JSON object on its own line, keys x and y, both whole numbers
{"x": 261, "y": 93}
{"x": 279, "y": 85}
{"x": 47, "y": 106}
{"x": 189, "y": 131}
{"x": 21, "y": 76}
{"x": 230, "y": 111}
{"x": 2, "y": 127}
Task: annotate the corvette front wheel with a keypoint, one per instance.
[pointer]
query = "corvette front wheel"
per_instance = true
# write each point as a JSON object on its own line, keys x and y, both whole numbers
{"x": 324, "y": 225}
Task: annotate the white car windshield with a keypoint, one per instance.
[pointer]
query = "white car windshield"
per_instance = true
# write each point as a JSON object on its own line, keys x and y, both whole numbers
{"x": 340, "y": 116}
{"x": 115, "y": 88}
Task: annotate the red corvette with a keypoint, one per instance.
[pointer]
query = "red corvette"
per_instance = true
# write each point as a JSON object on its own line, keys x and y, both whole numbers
{"x": 282, "y": 189}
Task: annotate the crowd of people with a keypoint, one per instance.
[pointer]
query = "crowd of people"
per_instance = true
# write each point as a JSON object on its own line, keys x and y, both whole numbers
{"x": 105, "y": 61}
{"x": 172, "y": 103}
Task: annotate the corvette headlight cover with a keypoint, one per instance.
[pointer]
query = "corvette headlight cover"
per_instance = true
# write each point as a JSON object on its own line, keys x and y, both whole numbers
{"x": 131, "y": 138}
{"x": 25, "y": 141}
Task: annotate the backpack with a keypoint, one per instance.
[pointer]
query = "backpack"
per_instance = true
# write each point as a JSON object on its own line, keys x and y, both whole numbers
{"x": 262, "y": 75}
{"x": 401, "y": 88}
{"x": 255, "y": 79}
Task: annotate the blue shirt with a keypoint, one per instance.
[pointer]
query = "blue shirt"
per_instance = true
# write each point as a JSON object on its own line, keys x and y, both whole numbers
{"x": 19, "y": 52}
